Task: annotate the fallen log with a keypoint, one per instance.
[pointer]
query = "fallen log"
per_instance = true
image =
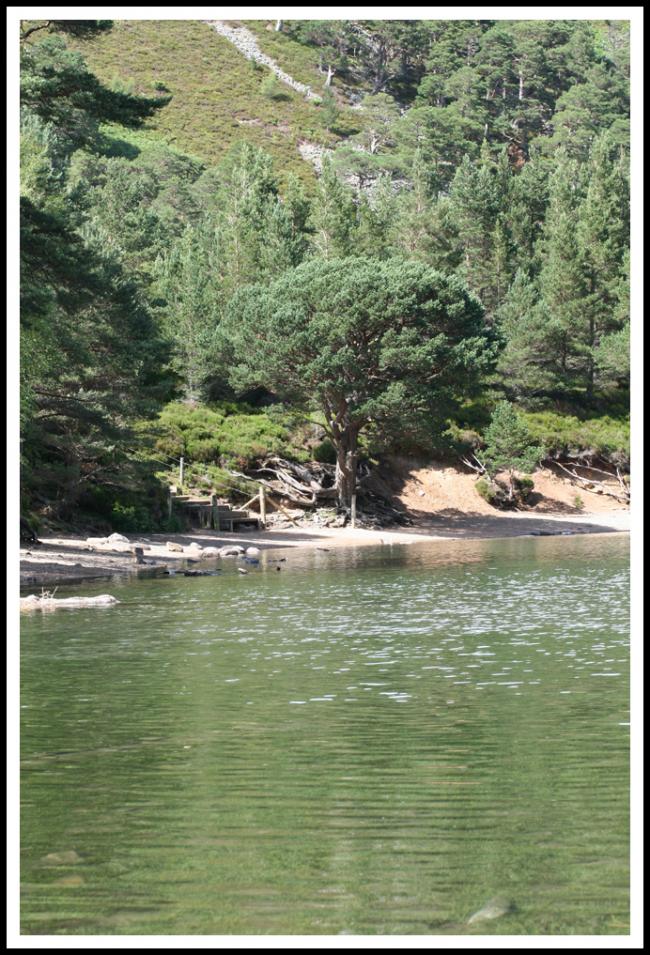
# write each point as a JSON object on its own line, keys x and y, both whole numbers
{"x": 48, "y": 602}
{"x": 623, "y": 496}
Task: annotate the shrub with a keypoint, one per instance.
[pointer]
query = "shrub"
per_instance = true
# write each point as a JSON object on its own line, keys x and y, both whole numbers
{"x": 225, "y": 433}
{"x": 524, "y": 486}
{"x": 130, "y": 518}
{"x": 324, "y": 452}
{"x": 272, "y": 88}
{"x": 565, "y": 434}
{"x": 487, "y": 490}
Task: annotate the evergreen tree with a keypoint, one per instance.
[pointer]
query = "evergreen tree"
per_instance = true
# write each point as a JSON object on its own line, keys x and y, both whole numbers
{"x": 509, "y": 445}
{"x": 376, "y": 220}
{"x": 527, "y": 361}
{"x": 603, "y": 237}
{"x": 192, "y": 291}
{"x": 478, "y": 196}
{"x": 333, "y": 216}
{"x": 371, "y": 343}
{"x": 562, "y": 280}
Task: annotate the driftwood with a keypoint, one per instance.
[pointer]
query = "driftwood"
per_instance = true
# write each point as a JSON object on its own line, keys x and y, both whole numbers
{"x": 475, "y": 465}
{"x": 47, "y": 601}
{"x": 623, "y": 494}
{"x": 305, "y": 485}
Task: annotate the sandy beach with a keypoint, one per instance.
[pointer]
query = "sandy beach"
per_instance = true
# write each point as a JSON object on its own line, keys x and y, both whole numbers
{"x": 57, "y": 560}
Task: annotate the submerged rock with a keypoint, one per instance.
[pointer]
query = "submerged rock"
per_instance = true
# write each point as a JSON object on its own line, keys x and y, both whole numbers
{"x": 493, "y": 909}
{"x": 69, "y": 857}
{"x": 70, "y": 881}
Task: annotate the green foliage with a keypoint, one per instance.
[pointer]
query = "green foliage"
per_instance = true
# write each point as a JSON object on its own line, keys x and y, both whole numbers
{"x": 373, "y": 343}
{"x": 486, "y": 489}
{"x": 272, "y": 88}
{"x": 561, "y": 434}
{"x": 226, "y": 433}
{"x": 216, "y": 97}
{"x": 330, "y": 109}
{"x": 324, "y": 452}
{"x": 56, "y": 85}
{"x": 154, "y": 198}
{"x": 524, "y": 487}
{"x": 129, "y": 518}
{"x": 509, "y": 444}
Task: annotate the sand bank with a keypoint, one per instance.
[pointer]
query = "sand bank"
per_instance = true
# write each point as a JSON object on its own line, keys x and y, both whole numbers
{"x": 69, "y": 559}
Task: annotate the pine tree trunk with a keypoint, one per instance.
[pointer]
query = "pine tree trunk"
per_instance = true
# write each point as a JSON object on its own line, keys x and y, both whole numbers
{"x": 346, "y": 467}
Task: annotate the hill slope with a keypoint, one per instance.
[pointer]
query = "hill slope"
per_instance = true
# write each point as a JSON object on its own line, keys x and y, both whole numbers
{"x": 217, "y": 96}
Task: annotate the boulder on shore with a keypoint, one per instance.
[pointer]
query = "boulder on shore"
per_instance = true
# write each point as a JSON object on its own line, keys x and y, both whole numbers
{"x": 176, "y": 548}
{"x": 232, "y": 550}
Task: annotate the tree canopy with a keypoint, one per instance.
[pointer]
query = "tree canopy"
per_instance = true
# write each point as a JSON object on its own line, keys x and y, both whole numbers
{"x": 371, "y": 343}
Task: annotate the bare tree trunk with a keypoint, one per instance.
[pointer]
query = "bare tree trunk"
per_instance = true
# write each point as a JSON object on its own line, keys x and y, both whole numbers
{"x": 521, "y": 86}
{"x": 347, "y": 452}
{"x": 346, "y": 475}
{"x": 278, "y": 26}
{"x": 330, "y": 74}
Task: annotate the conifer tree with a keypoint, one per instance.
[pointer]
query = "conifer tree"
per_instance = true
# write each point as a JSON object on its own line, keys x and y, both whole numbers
{"x": 333, "y": 216}
{"x": 603, "y": 237}
{"x": 509, "y": 445}
{"x": 478, "y": 196}
{"x": 562, "y": 280}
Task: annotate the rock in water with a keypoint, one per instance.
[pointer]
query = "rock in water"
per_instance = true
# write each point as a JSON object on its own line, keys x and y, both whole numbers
{"x": 118, "y": 539}
{"x": 233, "y": 550}
{"x": 69, "y": 857}
{"x": 493, "y": 909}
{"x": 173, "y": 546}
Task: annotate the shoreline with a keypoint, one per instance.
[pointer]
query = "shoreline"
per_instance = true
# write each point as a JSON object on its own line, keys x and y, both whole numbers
{"x": 64, "y": 560}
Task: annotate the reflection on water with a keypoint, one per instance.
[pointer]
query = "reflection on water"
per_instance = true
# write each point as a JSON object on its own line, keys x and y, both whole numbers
{"x": 371, "y": 741}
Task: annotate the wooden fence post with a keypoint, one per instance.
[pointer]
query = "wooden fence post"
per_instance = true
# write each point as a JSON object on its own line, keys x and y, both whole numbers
{"x": 262, "y": 506}
{"x": 215, "y": 512}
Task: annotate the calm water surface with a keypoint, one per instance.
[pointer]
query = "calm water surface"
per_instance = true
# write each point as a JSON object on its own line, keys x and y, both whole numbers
{"x": 372, "y": 741}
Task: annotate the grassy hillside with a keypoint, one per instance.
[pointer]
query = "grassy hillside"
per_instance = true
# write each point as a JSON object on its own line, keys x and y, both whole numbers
{"x": 217, "y": 98}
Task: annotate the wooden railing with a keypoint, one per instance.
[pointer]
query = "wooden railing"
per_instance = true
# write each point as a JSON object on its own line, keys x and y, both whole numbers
{"x": 210, "y": 512}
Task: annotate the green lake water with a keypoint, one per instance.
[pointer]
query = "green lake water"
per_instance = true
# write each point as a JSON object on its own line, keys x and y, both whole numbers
{"x": 371, "y": 741}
